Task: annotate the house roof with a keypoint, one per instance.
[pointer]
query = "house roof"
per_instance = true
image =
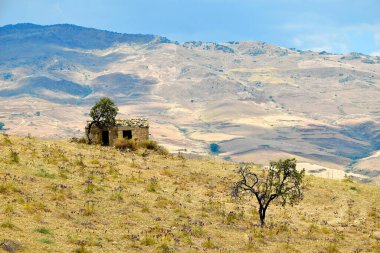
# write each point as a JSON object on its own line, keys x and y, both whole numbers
{"x": 136, "y": 122}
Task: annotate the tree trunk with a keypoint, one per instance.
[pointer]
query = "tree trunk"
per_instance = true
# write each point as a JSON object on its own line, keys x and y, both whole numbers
{"x": 262, "y": 212}
{"x": 89, "y": 131}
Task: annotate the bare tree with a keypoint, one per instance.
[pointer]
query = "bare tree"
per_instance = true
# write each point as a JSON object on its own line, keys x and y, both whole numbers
{"x": 281, "y": 183}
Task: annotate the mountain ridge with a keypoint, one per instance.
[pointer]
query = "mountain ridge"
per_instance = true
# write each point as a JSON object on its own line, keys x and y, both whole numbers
{"x": 161, "y": 39}
{"x": 55, "y": 34}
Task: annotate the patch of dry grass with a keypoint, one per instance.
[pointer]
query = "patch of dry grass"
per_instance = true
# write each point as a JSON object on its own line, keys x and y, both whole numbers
{"x": 67, "y": 197}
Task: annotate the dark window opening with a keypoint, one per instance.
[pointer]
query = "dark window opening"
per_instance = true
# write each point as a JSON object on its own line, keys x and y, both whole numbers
{"x": 127, "y": 134}
{"x": 105, "y": 138}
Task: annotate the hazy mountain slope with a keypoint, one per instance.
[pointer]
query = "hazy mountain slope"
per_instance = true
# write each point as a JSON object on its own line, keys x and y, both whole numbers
{"x": 257, "y": 101}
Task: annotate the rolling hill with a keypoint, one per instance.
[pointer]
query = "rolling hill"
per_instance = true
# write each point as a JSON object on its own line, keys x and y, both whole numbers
{"x": 67, "y": 197}
{"x": 255, "y": 100}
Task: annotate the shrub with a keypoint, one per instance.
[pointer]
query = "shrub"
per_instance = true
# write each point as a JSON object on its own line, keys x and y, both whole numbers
{"x": 7, "y": 224}
{"x": 153, "y": 185}
{"x": 83, "y": 140}
{"x": 35, "y": 206}
{"x": 6, "y": 140}
{"x": 149, "y": 144}
{"x": 43, "y": 230}
{"x": 14, "y": 156}
{"x": 208, "y": 244}
{"x": 132, "y": 144}
{"x": 79, "y": 162}
{"x": 89, "y": 208}
{"x": 8, "y": 187}
{"x": 9, "y": 209}
{"x": 148, "y": 241}
{"x": 81, "y": 249}
{"x": 162, "y": 151}
{"x": 164, "y": 248}
{"x": 44, "y": 173}
{"x": 153, "y": 145}
{"x": 117, "y": 194}
{"x": 121, "y": 143}
{"x": 126, "y": 144}
{"x": 332, "y": 248}
{"x": 347, "y": 179}
{"x": 46, "y": 241}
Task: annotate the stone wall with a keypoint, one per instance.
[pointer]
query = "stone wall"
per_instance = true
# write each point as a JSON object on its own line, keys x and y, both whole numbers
{"x": 138, "y": 134}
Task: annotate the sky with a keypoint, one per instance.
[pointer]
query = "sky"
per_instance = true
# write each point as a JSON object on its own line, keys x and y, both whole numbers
{"x": 336, "y": 26}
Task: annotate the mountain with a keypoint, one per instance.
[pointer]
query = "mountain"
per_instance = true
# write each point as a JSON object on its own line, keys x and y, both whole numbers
{"x": 254, "y": 100}
{"x": 70, "y": 36}
{"x": 67, "y": 197}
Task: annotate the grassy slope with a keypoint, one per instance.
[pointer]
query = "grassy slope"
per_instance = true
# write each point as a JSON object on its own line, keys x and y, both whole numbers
{"x": 48, "y": 204}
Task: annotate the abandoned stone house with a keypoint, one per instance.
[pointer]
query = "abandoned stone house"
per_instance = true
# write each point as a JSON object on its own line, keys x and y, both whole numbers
{"x": 137, "y": 129}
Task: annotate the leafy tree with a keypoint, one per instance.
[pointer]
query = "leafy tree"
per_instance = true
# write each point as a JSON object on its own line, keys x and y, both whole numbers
{"x": 103, "y": 115}
{"x": 281, "y": 183}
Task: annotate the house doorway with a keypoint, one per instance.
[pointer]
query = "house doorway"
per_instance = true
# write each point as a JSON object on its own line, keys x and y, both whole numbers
{"x": 105, "y": 138}
{"x": 127, "y": 134}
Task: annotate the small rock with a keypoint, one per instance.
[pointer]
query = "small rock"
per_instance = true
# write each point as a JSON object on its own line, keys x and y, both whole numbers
{"x": 10, "y": 246}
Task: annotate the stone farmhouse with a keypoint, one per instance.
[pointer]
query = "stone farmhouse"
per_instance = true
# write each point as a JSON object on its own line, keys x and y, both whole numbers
{"x": 136, "y": 129}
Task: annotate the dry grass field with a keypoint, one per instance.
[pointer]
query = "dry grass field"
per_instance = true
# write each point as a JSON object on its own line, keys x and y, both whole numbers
{"x": 58, "y": 196}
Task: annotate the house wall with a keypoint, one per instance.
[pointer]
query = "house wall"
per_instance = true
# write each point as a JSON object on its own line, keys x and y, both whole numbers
{"x": 138, "y": 134}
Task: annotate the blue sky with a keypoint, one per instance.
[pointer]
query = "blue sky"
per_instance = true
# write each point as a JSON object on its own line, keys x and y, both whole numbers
{"x": 339, "y": 26}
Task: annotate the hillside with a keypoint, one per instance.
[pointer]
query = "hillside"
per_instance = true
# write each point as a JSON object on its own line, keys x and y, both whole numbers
{"x": 255, "y": 100}
{"x": 65, "y": 197}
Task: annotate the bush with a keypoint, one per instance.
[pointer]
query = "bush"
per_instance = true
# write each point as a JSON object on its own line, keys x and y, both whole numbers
{"x": 43, "y": 230}
{"x": 14, "y": 156}
{"x": 134, "y": 145}
{"x": 121, "y": 144}
{"x": 83, "y": 140}
{"x": 153, "y": 145}
{"x": 124, "y": 144}
{"x": 162, "y": 150}
{"x": 149, "y": 144}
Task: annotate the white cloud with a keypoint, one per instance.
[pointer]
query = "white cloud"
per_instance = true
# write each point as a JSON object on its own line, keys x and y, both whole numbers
{"x": 320, "y": 49}
{"x": 297, "y": 42}
{"x": 329, "y": 42}
{"x": 331, "y": 38}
